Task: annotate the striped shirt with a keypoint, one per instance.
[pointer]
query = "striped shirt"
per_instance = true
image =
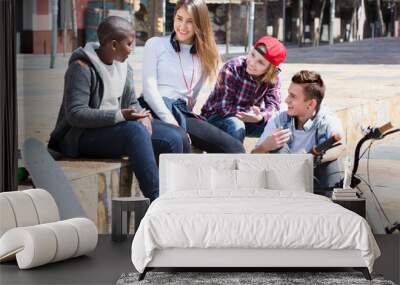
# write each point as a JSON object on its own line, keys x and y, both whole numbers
{"x": 237, "y": 91}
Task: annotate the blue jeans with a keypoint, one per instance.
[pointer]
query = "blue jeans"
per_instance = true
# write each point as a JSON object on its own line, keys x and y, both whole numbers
{"x": 132, "y": 139}
{"x": 236, "y": 127}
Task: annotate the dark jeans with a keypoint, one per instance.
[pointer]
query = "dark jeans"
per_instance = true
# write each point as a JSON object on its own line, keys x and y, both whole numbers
{"x": 236, "y": 127}
{"x": 132, "y": 139}
{"x": 203, "y": 135}
{"x": 326, "y": 175}
{"x": 211, "y": 139}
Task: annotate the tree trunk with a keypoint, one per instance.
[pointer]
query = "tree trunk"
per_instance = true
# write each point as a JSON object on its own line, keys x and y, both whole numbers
{"x": 361, "y": 18}
{"x": 284, "y": 20}
{"x": 250, "y": 39}
{"x": 63, "y": 15}
{"x": 54, "y": 28}
{"x": 321, "y": 18}
{"x": 301, "y": 24}
{"x": 380, "y": 18}
{"x": 353, "y": 23}
{"x": 332, "y": 22}
{"x": 74, "y": 26}
{"x": 228, "y": 27}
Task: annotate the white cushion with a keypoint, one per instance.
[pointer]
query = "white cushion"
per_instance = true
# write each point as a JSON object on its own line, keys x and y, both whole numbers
{"x": 251, "y": 179}
{"x": 294, "y": 181}
{"x": 223, "y": 179}
{"x": 191, "y": 172}
{"x": 184, "y": 177}
{"x": 282, "y": 172}
{"x": 226, "y": 180}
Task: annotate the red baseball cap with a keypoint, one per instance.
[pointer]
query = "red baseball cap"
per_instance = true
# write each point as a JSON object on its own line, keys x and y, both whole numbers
{"x": 276, "y": 51}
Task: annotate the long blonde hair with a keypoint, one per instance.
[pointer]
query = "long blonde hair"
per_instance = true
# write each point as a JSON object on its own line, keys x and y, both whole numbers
{"x": 203, "y": 36}
{"x": 271, "y": 74}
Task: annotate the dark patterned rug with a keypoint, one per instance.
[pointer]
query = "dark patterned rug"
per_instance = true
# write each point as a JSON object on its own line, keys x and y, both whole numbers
{"x": 242, "y": 278}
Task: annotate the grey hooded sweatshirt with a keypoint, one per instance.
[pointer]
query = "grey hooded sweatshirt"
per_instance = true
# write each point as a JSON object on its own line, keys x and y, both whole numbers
{"x": 80, "y": 108}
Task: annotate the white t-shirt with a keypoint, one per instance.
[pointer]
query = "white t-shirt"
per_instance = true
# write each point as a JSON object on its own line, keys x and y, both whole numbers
{"x": 114, "y": 79}
{"x": 113, "y": 76}
{"x": 302, "y": 141}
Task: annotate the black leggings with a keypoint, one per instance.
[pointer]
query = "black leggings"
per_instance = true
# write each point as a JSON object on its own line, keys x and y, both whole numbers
{"x": 210, "y": 138}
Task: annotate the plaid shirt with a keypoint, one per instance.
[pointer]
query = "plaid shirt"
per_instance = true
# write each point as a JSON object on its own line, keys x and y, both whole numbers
{"x": 237, "y": 91}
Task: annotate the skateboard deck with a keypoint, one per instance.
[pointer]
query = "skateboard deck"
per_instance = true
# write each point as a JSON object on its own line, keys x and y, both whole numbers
{"x": 46, "y": 174}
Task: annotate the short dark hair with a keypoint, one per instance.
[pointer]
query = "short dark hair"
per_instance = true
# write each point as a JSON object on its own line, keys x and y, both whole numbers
{"x": 312, "y": 83}
{"x": 113, "y": 28}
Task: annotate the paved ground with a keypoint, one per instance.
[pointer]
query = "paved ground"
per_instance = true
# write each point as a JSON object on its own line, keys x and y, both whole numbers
{"x": 369, "y": 51}
{"x": 349, "y": 83}
{"x": 355, "y": 74}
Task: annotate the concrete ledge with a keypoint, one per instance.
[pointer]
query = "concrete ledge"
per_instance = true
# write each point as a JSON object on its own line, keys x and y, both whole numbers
{"x": 373, "y": 113}
{"x": 96, "y": 182}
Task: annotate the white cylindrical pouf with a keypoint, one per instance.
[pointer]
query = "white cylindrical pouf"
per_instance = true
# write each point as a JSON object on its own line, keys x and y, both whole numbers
{"x": 34, "y": 244}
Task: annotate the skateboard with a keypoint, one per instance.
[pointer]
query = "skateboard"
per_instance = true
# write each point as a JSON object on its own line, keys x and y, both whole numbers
{"x": 46, "y": 174}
